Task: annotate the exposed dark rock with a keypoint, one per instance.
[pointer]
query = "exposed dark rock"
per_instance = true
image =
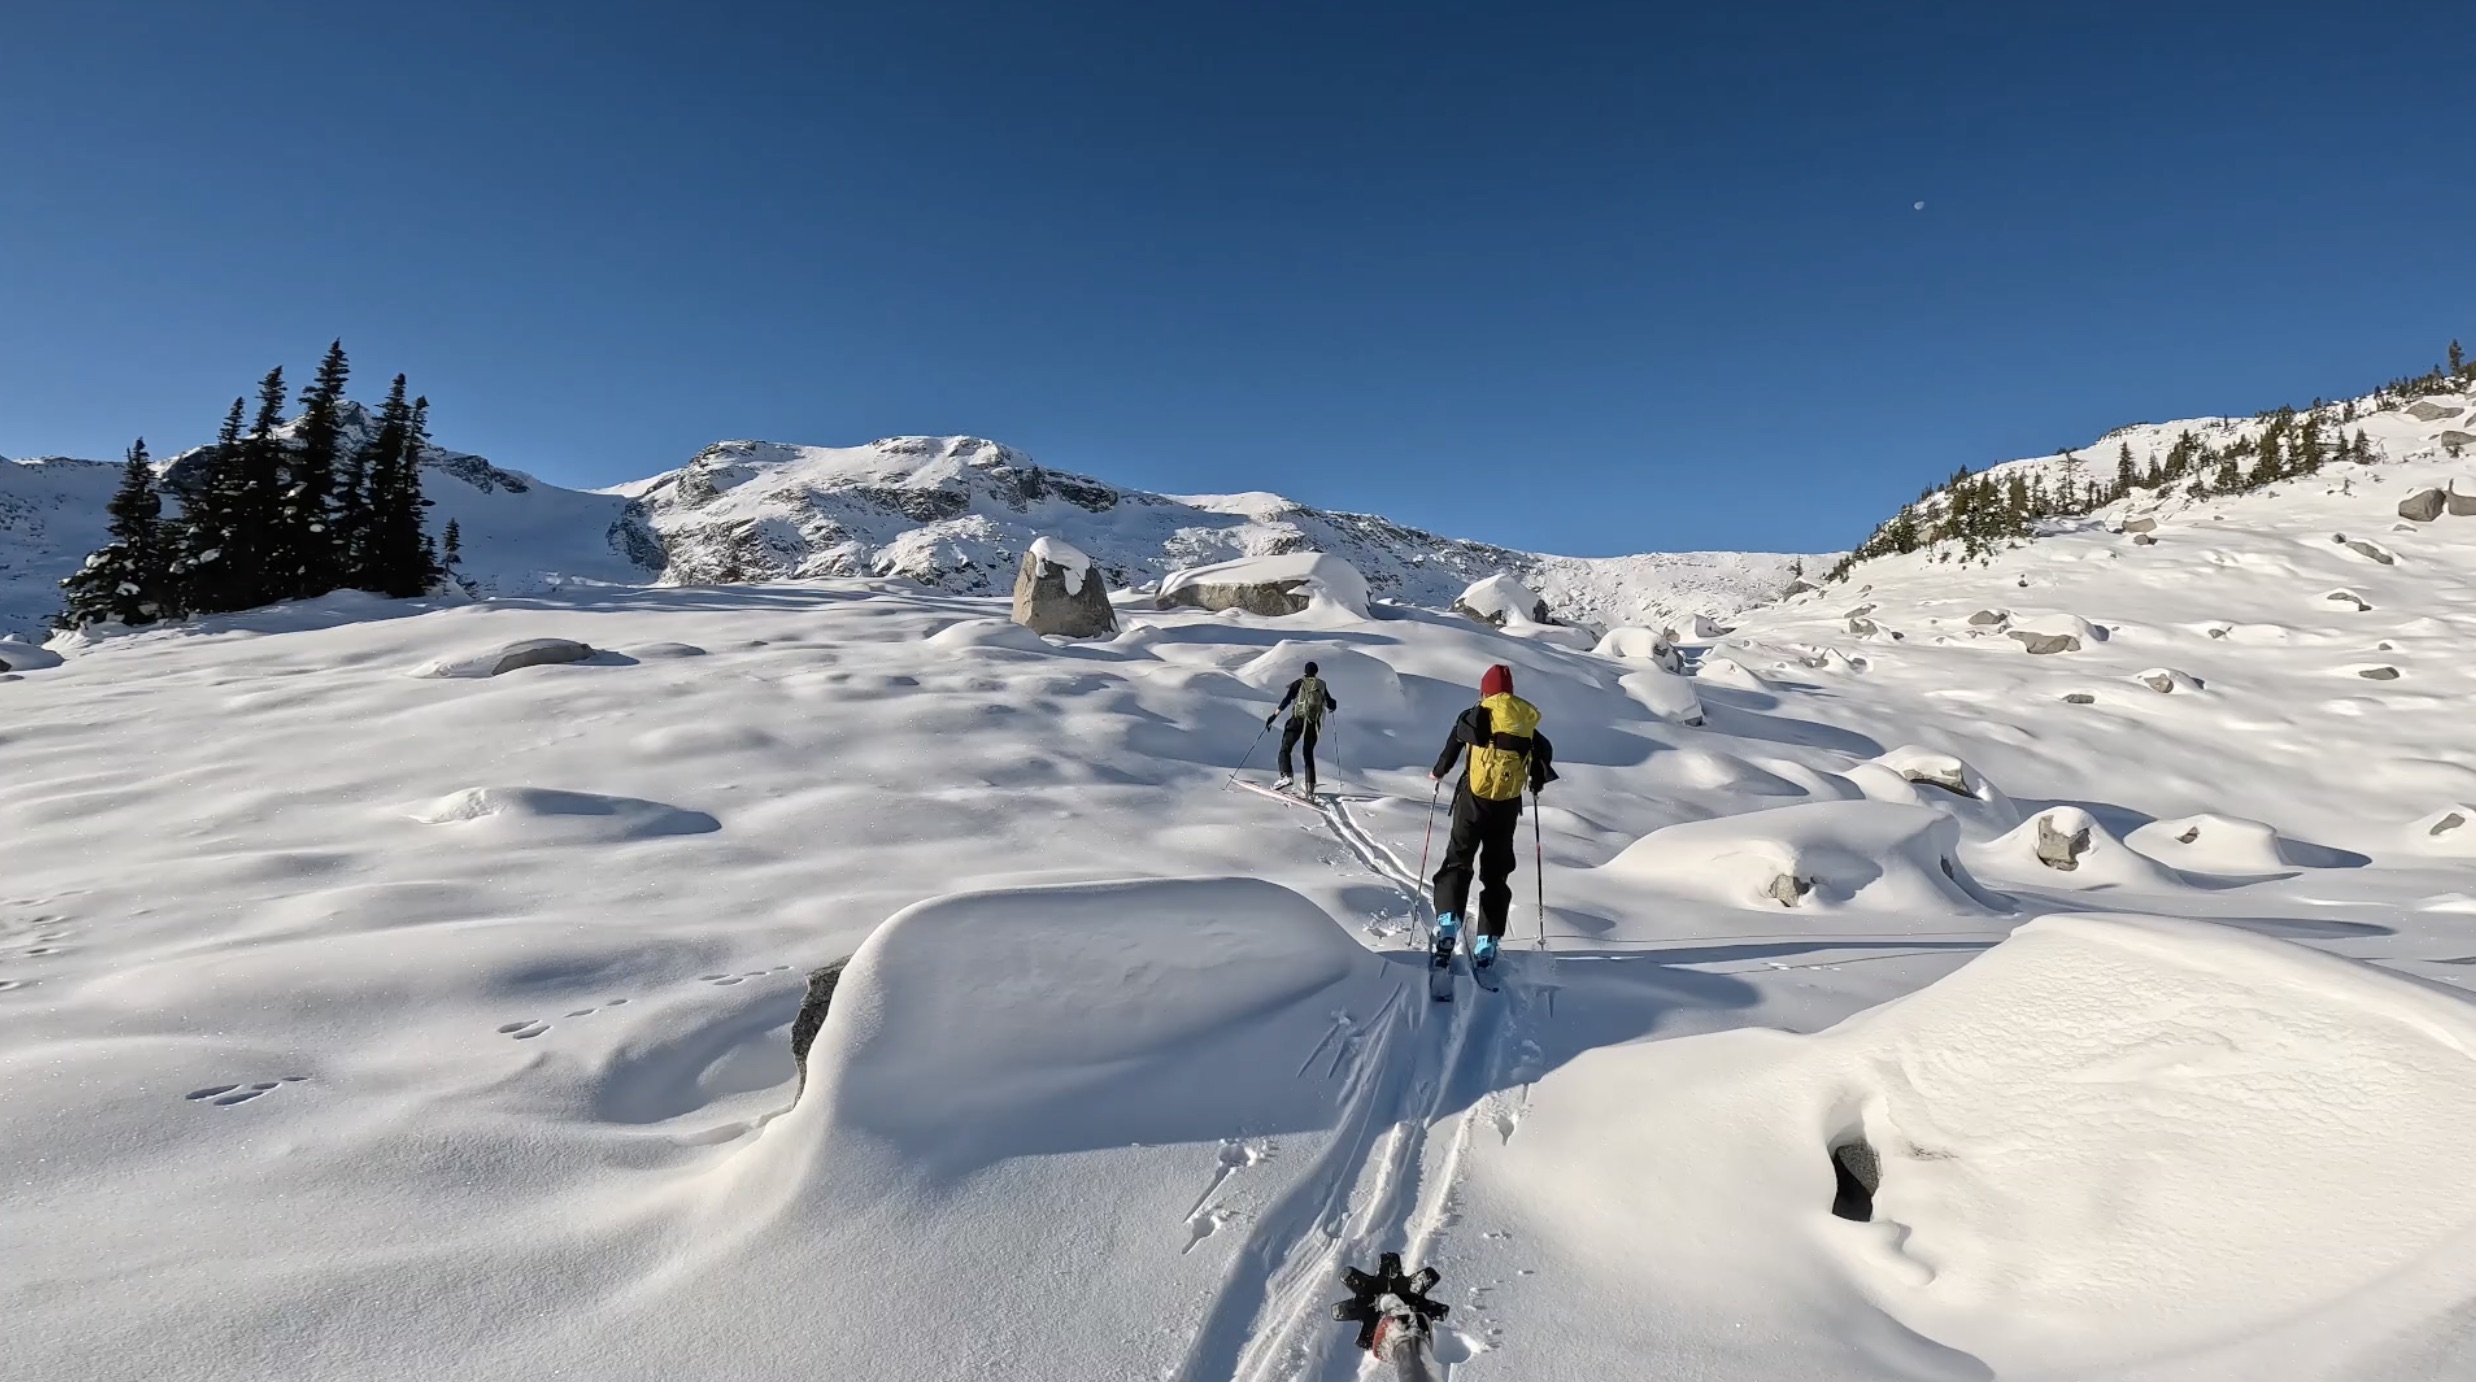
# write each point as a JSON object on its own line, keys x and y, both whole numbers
{"x": 1856, "y": 1173}
{"x": 2079, "y": 698}
{"x": 2456, "y": 441}
{"x": 2144, "y": 540}
{"x": 2450, "y": 821}
{"x": 2349, "y": 597}
{"x": 918, "y": 505}
{"x": 2043, "y": 643}
{"x": 2378, "y": 673}
{"x": 2366, "y": 549}
{"x": 2423, "y": 506}
{"x": 804, "y": 1028}
{"x": 2426, "y": 410}
{"x": 2140, "y": 525}
{"x": 1863, "y": 628}
{"x": 2459, "y": 505}
{"x": 1990, "y": 616}
{"x": 1787, "y": 889}
{"x": 2057, "y": 850}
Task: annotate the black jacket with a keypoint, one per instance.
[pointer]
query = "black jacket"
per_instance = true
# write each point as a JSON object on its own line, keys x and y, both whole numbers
{"x": 1473, "y": 728}
{"x": 1290, "y": 695}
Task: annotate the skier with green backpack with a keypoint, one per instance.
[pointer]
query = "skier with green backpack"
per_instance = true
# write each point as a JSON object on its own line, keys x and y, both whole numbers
{"x": 1308, "y": 700}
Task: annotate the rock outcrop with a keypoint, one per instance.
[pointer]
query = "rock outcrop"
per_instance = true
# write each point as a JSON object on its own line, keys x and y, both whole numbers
{"x": 1274, "y": 587}
{"x": 2427, "y": 410}
{"x": 2458, "y": 505}
{"x": 2062, "y": 848}
{"x": 1060, "y": 593}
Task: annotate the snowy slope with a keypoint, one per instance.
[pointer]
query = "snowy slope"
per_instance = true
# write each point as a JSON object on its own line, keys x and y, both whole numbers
{"x": 520, "y": 535}
{"x": 361, "y": 1024}
{"x": 51, "y": 516}
{"x": 438, "y": 1027}
{"x": 957, "y": 513}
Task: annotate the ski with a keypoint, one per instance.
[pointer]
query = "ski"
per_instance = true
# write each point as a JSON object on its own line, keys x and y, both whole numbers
{"x": 1262, "y": 791}
{"x": 1486, "y": 977}
{"x": 1440, "y": 974}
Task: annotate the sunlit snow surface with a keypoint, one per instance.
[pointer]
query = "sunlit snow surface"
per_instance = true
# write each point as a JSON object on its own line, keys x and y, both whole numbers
{"x": 363, "y": 1024}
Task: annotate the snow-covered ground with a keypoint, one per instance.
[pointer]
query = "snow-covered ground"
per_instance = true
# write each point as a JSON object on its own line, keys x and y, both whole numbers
{"x": 358, "y": 1021}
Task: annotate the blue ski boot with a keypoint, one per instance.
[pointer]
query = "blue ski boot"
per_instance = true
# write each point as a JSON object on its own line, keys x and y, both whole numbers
{"x": 1483, "y": 952}
{"x": 1448, "y": 930}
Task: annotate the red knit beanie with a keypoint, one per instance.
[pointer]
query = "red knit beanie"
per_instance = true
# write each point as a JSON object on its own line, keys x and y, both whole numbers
{"x": 1498, "y": 681}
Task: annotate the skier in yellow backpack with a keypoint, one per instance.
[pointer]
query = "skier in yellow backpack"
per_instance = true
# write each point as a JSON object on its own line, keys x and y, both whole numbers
{"x": 1507, "y": 754}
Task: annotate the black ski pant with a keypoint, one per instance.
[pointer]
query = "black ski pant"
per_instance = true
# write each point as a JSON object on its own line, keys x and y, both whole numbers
{"x": 1292, "y": 735}
{"x": 1482, "y": 837}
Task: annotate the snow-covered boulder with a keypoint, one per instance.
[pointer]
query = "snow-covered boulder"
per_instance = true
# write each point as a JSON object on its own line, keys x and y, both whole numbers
{"x": 1914, "y": 776}
{"x": 1640, "y": 645}
{"x": 2066, "y": 847}
{"x": 2226, "y": 846}
{"x": 1058, "y": 591}
{"x": 2167, "y": 681}
{"x": 1706, "y": 627}
{"x": 2432, "y": 410}
{"x": 1501, "y": 600}
{"x": 1728, "y": 672}
{"x": 2142, "y": 1125}
{"x": 18, "y": 655}
{"x": 1269, "y": 586}
{"x": 1866, "y": 856}
{"x": 2459, "y": 505}
{"x": 1664, "y": 694}
{"x": 988, "y": 633}
{"x": 2423, "y": 506}
{"x": 531, "y": 652}
{"x": 550, "y": 816}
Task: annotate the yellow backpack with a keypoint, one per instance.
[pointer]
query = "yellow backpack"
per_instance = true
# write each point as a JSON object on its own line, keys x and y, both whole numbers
{"x": 1500, "y": 768}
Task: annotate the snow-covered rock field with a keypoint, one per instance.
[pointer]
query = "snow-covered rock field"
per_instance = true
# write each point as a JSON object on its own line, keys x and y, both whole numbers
{"x": 397, "y": 990}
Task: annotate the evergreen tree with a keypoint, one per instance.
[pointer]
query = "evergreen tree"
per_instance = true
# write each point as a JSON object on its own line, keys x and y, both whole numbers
{"x": 130, "y": 578}
{"x": 2458, "y": 360}
{"x": 2124, "y": 474}
{"x": 365, "y": 474}
{"x": 213, "y": 504}
{"x": 452, "y": 548}
{"x": 309, "y": 561}
{"x": 397, "y": 558}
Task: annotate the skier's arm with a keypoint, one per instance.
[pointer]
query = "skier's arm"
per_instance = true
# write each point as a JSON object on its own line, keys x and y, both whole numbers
{"x": 1542, "y": 762}
{"x": 1286, "y": 698}
{"x": 1469, "y": 728}
{"x": 1330, "y": 704}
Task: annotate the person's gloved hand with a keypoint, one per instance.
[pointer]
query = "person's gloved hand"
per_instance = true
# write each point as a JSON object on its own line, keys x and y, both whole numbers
{"x": 1270, "y": 718}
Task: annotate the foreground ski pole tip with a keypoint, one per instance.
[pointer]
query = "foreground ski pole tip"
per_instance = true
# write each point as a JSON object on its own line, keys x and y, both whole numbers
{"x": 1388, "y": 1303}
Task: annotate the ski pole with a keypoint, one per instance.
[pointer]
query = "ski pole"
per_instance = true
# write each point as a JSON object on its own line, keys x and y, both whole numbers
{"x": 1250, "y": 754}
{"x": 1538, "y": 862}
{"x": 1433, "y": 794}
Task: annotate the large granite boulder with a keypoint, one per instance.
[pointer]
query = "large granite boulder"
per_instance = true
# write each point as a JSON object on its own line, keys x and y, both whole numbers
{"x": 2428, "y": 410}
{"x": 2423, "y": 506}
{"x": 1271, "y": 586}
{"x": 1059, "y": 592}
{"x": 2459, "y": 505}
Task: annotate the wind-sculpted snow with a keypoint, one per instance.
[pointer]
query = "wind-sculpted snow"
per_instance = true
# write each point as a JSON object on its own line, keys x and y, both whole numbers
{"x": 360, "y": 1025}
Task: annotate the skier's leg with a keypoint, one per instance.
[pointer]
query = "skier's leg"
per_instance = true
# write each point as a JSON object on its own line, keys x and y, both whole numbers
{"x": 1496, "y": 863}
{"x": 1461, "y": 850}
{"x": 1289, "y": 744}
{"x": 1306, "y": 742}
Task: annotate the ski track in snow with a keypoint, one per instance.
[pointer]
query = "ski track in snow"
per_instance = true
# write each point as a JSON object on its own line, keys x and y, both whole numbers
{"x": 1387, "y": 1182}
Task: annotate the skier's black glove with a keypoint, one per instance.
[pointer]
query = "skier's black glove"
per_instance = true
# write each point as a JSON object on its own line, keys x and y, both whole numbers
{"x": 1270, "y": 718}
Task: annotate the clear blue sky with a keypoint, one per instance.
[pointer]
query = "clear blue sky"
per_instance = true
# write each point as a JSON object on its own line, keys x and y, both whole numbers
{"x": 1581, "y": 277}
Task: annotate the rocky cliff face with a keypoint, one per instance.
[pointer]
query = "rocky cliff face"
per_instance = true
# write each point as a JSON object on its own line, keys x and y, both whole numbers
{"x": 958, "y": 512}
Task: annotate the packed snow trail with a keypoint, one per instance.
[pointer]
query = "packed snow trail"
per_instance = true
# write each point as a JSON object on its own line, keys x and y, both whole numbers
{"x": 1385, "y": 1184}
